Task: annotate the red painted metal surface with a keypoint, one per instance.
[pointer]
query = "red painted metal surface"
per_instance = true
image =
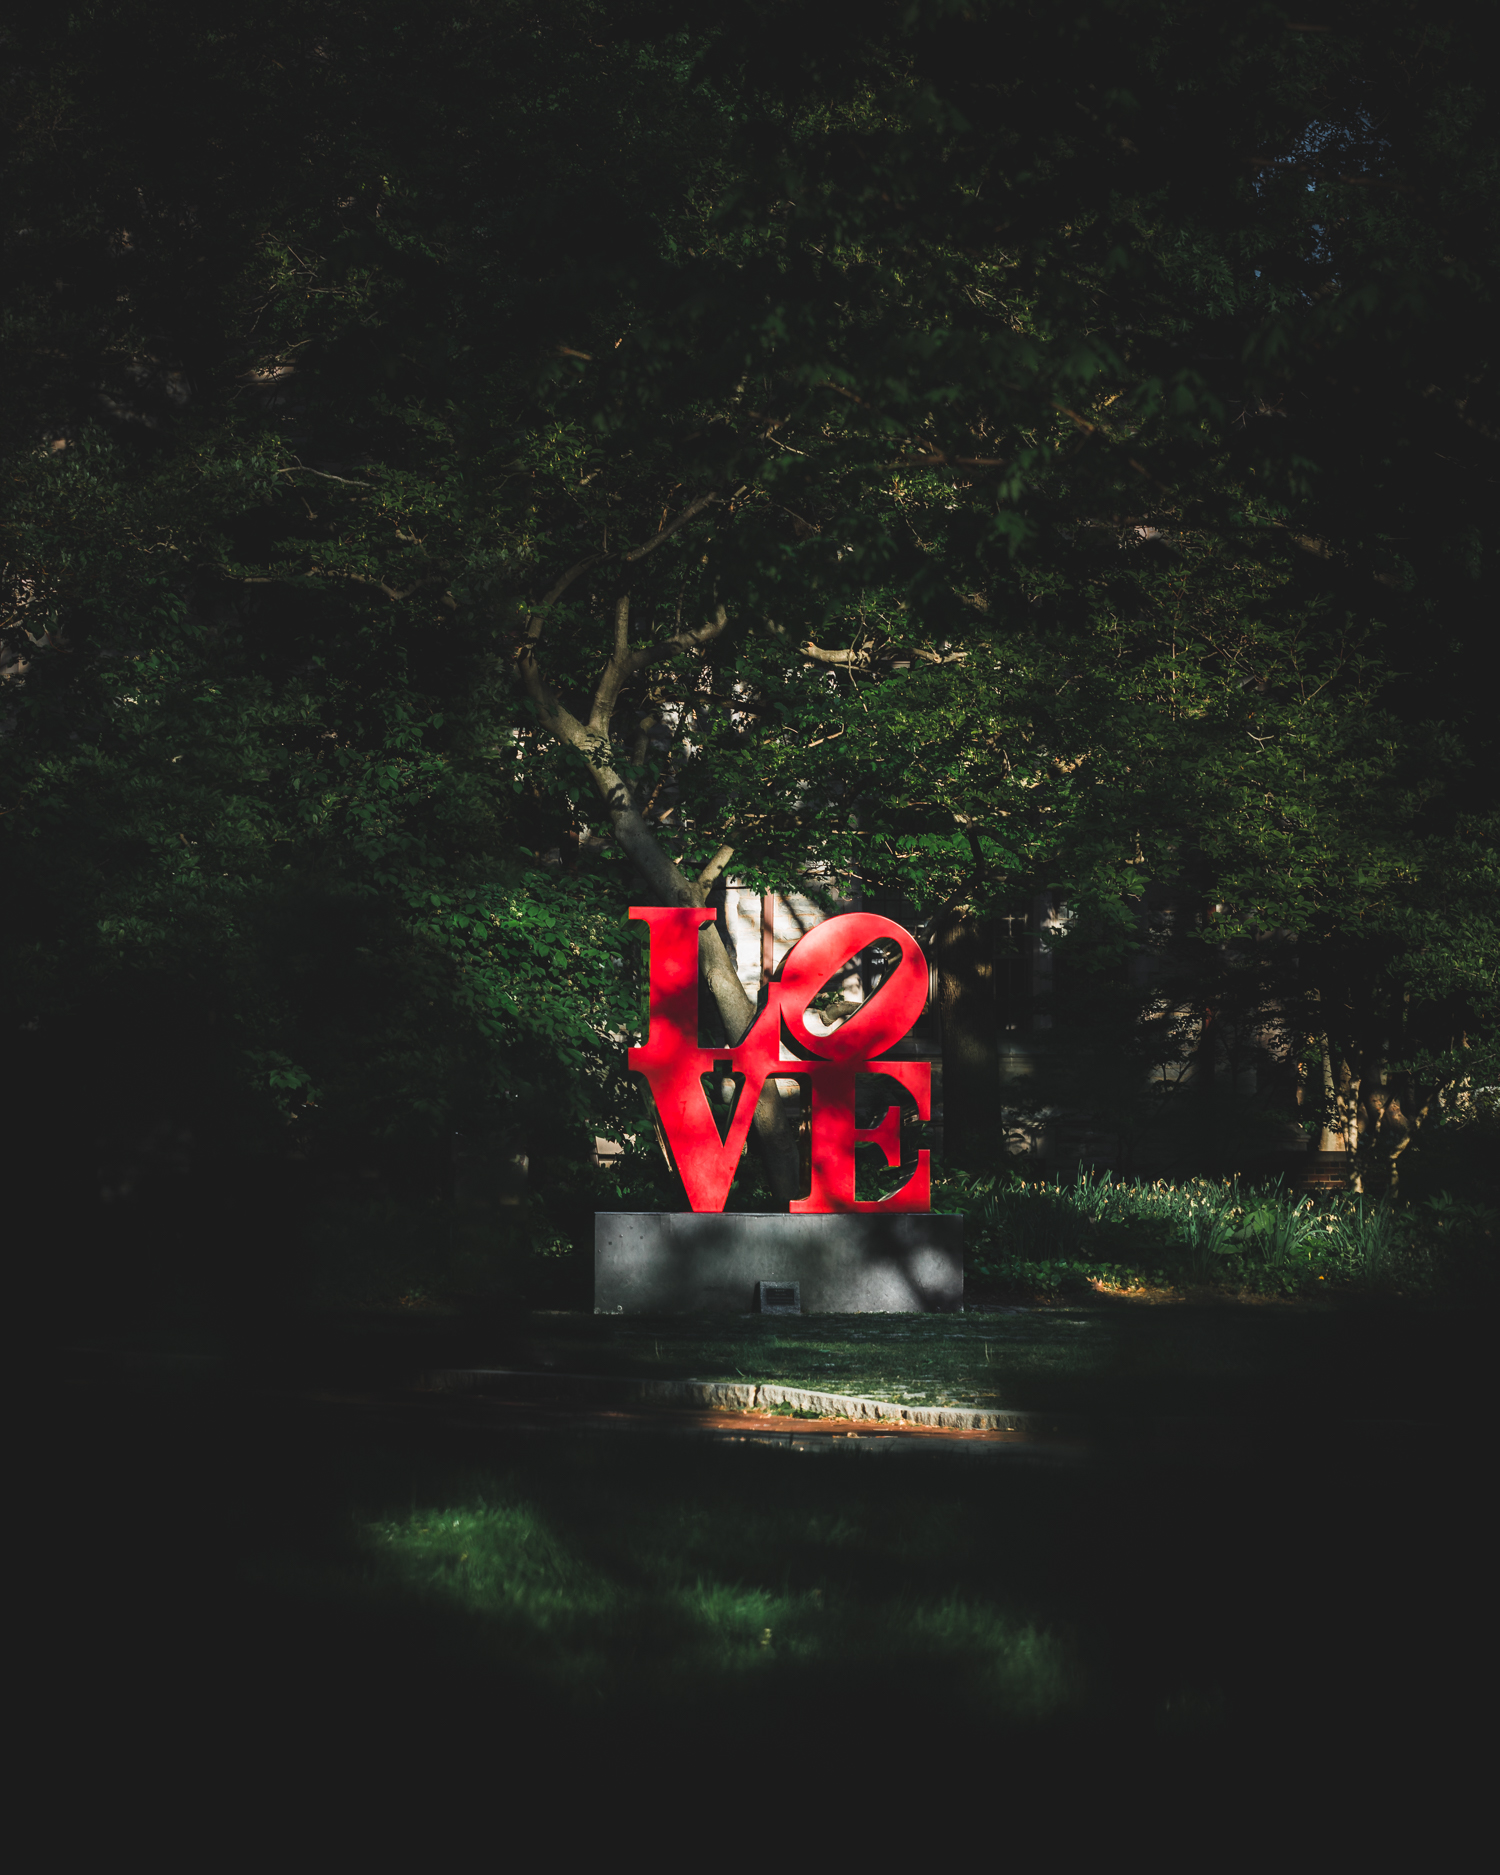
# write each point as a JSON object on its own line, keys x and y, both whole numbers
{"x": 674, "y": 1064}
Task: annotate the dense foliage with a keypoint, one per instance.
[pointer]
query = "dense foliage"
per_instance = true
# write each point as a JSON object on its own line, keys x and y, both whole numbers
{"x": 467, "y": 471}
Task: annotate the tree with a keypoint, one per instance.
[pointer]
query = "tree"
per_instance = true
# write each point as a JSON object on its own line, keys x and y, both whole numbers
{"x": 968, "y": 455}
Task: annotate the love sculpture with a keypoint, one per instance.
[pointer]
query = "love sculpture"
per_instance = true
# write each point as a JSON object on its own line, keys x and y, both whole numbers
{"x": 675, "y": 1064}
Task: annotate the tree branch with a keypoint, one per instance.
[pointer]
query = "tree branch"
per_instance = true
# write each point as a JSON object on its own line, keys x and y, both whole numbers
{"x": 861, "y": 660}
{"x": 623, "y": 663}
{"x": 821, "y": 656}
{"x": 301, "y": 468}
{"x": 1329, "y": 175}
{"x": 693, "y": 640}
{"x": 537, "y": 617}
{"x": 693, "y": 509}
{"x": 938, "y": 459}
{"x": 365, "y": 579}
{"x": 336, "y": 572}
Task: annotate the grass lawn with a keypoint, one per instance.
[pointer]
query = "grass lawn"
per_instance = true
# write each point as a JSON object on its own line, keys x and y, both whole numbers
{"x": 293, "y": 1574}
{"x": 1114, "y": 1357}
{"x": 300, "y": 1568}
{"x": 264, "y": 1561}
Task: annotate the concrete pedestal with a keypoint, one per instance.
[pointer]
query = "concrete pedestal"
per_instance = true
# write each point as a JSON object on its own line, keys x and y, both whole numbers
{"x": 709, "y": 1262}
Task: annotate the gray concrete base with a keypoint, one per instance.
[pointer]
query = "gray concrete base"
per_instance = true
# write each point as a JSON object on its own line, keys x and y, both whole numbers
{"x": 709, "y": 1262}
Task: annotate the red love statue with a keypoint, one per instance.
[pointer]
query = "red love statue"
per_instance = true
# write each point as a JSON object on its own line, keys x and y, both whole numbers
{"x": 780, "y": 1044}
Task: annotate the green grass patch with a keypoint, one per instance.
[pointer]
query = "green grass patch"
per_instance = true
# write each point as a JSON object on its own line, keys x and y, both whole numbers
{"x": 386, "y": 1588}
{"x": 1106, "y": 1357}
{"x": 932, "y": 1360}
{"x": 303, "y": 1567}
{"x": 637, "y": 1583}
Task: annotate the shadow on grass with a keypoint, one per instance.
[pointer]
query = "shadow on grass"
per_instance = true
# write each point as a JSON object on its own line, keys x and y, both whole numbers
{"x": 315, "y": 1581}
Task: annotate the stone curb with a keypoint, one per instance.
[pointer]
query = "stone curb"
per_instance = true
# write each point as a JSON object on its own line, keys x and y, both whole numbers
{"x": 741, "y": 1396}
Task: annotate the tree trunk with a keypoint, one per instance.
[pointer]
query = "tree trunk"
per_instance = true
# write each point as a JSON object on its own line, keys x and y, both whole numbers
{"x": 665, "y": 879}
{"x": 964, "y": 950}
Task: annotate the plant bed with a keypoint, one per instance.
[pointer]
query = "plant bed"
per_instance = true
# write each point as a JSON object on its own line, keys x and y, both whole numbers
{"x": 1038, "y": 1238}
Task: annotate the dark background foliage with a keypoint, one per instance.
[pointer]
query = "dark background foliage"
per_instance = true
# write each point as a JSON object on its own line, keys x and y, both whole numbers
{"x": 1092, "y": 412}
